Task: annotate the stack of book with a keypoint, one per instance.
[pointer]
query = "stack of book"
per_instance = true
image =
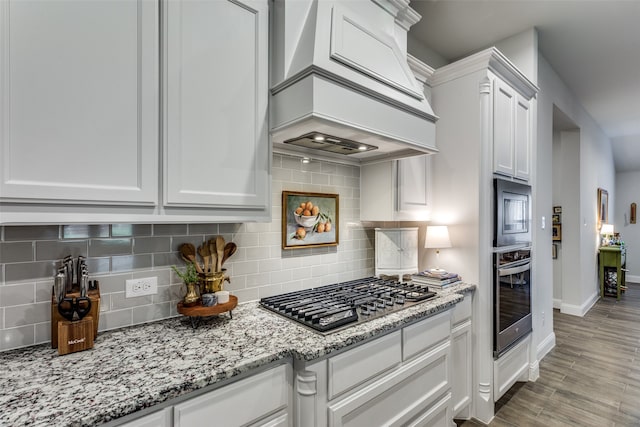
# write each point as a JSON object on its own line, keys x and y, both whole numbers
{"x": 436, "y": 278}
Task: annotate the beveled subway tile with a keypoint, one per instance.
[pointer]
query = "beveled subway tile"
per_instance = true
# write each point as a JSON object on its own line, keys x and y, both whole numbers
{"x": 115, "y": 319}
{"x": 130, "y": 262}
{"x": 203, "y": 229}
{"x": 176, "y": 241}
{"x": 150, "y": 313}
{"x": 107, "y": 247}
{"x": 169, "y": 229}
{"x": 83, "y": 231}
{"x": 44, "y": 290}
{"x": 126, "y": 230}
{"x": 31, "y": 232}
{"x": 16, "y": 252}
{"x": 43, "y": 332}
{"x": 11, "y": 295}
{"x": 15, "y": 272}
{"x": 29, "y": 314}
{"x": 99, "y": 265}
{"x": 112, "y": 283}
{"x": 167, "y": 259}
{"x": 17, "y": 337}
{"x": 57, "y": 250}
{"x": 148, "y": 245}
{"x": 119, "y": 301}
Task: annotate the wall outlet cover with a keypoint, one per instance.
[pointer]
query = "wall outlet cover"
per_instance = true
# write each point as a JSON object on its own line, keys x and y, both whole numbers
{"x": 141, "y": 287}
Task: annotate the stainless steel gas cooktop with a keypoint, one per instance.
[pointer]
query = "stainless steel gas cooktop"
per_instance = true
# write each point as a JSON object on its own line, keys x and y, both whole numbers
{"x": 327, "y": 308}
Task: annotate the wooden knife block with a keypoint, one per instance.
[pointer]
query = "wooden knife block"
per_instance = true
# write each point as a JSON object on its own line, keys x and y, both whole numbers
{"x": 74, "y": 330}
{"x": 75, "y": 336}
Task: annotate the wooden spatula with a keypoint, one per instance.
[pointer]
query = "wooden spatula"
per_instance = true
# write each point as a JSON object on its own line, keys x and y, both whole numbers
{"x": 219, "y": 252}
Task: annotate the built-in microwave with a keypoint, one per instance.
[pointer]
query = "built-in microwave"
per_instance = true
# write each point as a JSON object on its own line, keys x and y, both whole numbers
{"x": 512, "y": 213}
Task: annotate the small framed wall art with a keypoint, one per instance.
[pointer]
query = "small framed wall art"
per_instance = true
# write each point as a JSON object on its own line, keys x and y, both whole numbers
{"x": 603, "y": 207}
{"x": 556, "y": 233}
{"x": 556, "y": 218}
{"x": 557, "y": 209}
{"x": 554, "y": 251}
{"x": 309, "y": 219}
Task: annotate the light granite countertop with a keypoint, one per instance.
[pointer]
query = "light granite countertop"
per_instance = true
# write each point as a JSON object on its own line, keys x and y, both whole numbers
{"x": 137, "y": 367}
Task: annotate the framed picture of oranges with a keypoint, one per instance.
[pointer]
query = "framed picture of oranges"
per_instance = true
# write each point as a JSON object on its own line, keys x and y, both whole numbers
{"x": 309, "y": 219}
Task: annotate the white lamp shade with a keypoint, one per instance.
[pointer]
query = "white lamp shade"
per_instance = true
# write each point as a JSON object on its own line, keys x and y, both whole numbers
{"x": 606, "y": 229}
{"x": 437, "y": 237}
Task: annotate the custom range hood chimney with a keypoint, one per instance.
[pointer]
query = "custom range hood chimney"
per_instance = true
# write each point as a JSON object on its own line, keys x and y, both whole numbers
{"x": 341, "y": 81}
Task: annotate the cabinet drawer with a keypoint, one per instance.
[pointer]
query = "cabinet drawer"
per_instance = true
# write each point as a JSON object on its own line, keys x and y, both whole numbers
{"x": 356, "y": 366}
{"x": 404, "y": 395}
{"x": 462, "y": 311}
{"x": 240, "y": 403}
{"x": 424, "y": 334}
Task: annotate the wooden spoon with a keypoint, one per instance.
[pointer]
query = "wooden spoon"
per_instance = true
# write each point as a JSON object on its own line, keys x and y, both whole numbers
{"x": 229, "y": 249}
{"x": 205, "y": 254}
{"x": 188, "y": 250}
{"x": 219, "y": 251}
{"x": 214, "y": 254}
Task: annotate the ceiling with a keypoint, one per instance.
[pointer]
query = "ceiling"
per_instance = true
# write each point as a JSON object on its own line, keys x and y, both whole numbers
{"x": 593, "y": 45}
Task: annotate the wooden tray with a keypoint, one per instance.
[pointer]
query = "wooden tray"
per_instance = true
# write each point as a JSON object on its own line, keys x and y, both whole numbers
{"x": 200, "y": 311}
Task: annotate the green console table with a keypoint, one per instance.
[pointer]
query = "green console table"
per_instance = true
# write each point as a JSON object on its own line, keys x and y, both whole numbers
{"x": 612, "y": 271}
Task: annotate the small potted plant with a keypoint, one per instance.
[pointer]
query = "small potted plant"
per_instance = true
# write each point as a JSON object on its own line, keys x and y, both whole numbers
{"x": 190, "y": 279}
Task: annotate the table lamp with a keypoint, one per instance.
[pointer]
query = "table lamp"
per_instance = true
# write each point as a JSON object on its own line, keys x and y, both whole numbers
{"x": 437, "y": 238}
{"x": 606, "y": 230}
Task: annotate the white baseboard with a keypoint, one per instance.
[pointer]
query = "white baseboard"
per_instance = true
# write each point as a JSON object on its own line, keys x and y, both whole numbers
{"x": 580, "y": 310}
{"x": 545, "y": 346}
{"x": 632, "y": 279}
{"x": 557, "y": 303}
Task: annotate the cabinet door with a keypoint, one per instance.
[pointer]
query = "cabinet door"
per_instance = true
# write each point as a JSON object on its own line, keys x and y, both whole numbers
{"x": 503, "y": 128}
{"x": 388, "y": 247}
{"x": 246, "y": 402}
{"x": 461, "y": 377}
{"x": 414, "y": 184}
{"x": 400, "y": 398}
{"x": 522, "y": 144}
{"x": 79, "y": 101}
{"x": 216, "y": 149}
{"x": 409, "y": 250}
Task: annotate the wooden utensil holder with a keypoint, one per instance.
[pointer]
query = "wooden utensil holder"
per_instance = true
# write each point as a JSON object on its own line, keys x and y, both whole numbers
{"x": 64, "y": 331}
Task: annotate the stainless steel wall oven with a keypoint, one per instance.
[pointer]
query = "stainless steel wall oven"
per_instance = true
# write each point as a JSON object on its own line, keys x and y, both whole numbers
{"x": 512, "y": 297}
{"x": 512, "y": 220}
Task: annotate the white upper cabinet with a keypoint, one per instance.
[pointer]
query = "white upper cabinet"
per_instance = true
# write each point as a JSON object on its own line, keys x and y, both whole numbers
{"x": 79, "y": 101}
{"x": 216, "y": 85}
{"x": 91, "y": 134}
{"x": 396, "y": 190}
{"x": 511, "y": 132}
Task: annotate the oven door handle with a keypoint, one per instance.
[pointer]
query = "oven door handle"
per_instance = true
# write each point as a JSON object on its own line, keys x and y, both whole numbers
{"x": 514, "y": 270}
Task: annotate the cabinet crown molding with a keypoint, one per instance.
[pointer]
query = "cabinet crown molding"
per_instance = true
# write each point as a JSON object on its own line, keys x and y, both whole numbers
{"x": 422, "y": 71}
{"x": 489, "y": 59}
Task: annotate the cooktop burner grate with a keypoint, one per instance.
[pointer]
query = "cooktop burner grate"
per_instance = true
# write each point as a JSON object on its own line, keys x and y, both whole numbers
{"x": 329, "y": 307}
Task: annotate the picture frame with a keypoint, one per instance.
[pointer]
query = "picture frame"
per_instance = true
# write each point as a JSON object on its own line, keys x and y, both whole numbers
{"x": 557, "y": 209}
{"x": 555, "y": 218}
{"x": 316, "y": 224}
{"x": 554, "y": 251}
{"x": 556, "y": 232}
{"x": 603, "y": 207}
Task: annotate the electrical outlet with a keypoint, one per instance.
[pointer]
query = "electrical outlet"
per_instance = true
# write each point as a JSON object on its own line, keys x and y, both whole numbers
{"x": 140, "y": 287}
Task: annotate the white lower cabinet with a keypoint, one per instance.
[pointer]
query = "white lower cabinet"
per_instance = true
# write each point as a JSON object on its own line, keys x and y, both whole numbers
{"x": 403, "y": 378}
{"x": 264, "y": 399}
{"x": 260, "y": 400}
{"x": 461, "y": 348}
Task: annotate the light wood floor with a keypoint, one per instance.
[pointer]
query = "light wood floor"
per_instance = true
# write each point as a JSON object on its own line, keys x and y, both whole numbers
{"x": 591, "y": 377}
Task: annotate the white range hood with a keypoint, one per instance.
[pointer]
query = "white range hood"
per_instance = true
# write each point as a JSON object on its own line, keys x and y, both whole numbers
{"x": 340, "y": 72}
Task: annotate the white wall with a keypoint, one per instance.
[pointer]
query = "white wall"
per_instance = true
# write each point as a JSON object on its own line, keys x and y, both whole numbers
{"x": 522, "y": 50}
{"x": 596, "y": 170}
{"x": 627, "y": 192}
